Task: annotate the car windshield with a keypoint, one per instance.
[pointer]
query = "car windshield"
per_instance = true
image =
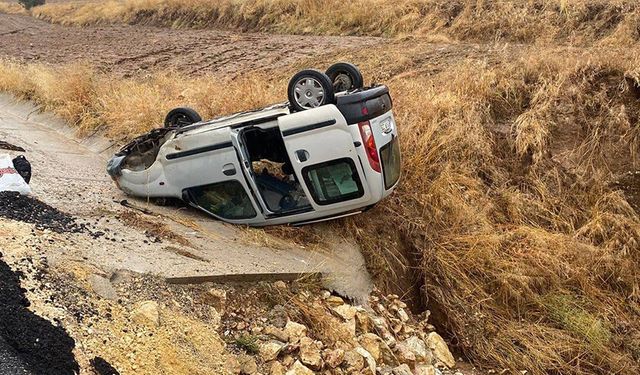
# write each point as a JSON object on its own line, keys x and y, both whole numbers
{"x": 228, "y": 200}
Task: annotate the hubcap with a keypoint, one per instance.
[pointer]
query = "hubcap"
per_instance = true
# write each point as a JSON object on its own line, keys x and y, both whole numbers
{"x": 309, "y": 93}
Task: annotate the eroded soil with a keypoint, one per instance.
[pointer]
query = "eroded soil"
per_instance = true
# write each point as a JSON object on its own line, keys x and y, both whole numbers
{"x": 134, "y": 50}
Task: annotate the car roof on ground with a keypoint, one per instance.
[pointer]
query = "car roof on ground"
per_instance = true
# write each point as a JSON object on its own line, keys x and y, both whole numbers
{"x": 240, "y": 118}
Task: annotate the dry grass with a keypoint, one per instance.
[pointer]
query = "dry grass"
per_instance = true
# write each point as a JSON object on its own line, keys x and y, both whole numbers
{"x": 507, "y": 215}
{"x": 11, "y": 8}
{"x": 572, "y": 21}
{"x": 91, "y": 100}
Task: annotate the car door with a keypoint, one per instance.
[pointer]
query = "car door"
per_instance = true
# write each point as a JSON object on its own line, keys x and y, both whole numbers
{"x": 323, "y": 155}
{"x": 205, "y": 166}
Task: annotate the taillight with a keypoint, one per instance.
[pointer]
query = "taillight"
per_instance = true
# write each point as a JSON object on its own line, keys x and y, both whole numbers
{"x": 370, "y": 145}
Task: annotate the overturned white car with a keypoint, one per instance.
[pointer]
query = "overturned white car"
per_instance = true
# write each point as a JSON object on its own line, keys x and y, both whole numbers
{"x": 331, "y": 151}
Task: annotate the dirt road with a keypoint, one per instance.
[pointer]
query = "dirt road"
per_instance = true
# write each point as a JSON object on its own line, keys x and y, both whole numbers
{"x": 134, "y": 50}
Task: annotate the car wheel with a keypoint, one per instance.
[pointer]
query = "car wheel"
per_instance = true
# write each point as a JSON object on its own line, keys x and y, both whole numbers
{"x": 310, "y": 89}
{"x": 179, "y": 117}
{"x": 345, "y": 77}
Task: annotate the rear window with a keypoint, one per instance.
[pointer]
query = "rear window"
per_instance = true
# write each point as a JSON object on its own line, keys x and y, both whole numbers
{"x": 227, "y": 199}
{"x": 333, "y": 181}
{"x": 390, "y": 157}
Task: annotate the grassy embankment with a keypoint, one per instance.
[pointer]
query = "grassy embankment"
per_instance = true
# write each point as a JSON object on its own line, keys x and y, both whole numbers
{"x": 511, "y": 213}
{"x": 572, "y": 21}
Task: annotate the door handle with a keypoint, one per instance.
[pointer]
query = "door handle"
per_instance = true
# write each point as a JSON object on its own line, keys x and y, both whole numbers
{"x": 229, "y": 169}
{"x": 302, "y": 155}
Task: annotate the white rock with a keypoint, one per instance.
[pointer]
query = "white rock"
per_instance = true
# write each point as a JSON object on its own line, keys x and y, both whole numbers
{"x": 403, "y": 369}
{"x": 310, "y": 353}
{"x": 295, "y": 331}
{"x": 276, "y": 332}
{"x": 333, "y": 358}
{"x": 403, "y": 315}
{"x": 419, "y": 348}
{"x": 425, "y": 370}
{"x": 270, "y": 350}
{"x": 404, "y": 354}
{"x": 441, "y": 350}
{"x": 371, "y": 363}
{"x": 347, "y": 312}
{"x": 146, "y": 313}
{"x": 299, "y": 369}
{"x": 353, "y": 361}
{"x": 383, "y": 328}
{"x": 371, "y": 342}
{"x": 247, "y": 364}
{"x": 102, "y": 286}
{"x": 276, "y": 368}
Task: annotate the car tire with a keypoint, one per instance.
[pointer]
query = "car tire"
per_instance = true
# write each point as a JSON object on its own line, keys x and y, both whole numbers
{"x": 345, "y": 77}
{"x": 309, "y": 89}
{"x": 182, "y": 116}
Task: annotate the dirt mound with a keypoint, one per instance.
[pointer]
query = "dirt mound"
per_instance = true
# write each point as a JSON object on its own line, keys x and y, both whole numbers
{"x": 41, "y": 346}
{"x": 30, "y": 210}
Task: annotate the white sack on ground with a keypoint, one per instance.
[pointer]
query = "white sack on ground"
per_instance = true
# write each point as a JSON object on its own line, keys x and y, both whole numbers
{"x": 10, "y": 180}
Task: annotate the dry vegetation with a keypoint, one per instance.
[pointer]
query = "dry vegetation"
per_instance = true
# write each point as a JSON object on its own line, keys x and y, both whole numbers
{"x": 573, "y": 21}
{"x": 510, "y": 213}
{"x": 11, "y": 8}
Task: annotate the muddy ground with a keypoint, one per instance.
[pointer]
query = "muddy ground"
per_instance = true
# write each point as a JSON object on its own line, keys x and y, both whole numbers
{"x": 133, "y": 50}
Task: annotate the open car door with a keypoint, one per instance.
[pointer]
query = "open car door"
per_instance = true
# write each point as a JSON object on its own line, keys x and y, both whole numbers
{"x": 324, "y": 158}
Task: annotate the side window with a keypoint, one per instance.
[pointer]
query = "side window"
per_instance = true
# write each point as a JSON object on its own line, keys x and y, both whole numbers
{"x": 333, "y": 181}
{"x": 226, "y": 199}
{"x": 390, "y": 157}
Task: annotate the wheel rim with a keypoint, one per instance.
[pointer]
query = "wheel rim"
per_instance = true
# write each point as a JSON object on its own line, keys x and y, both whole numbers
{"x": 309, "y": 92}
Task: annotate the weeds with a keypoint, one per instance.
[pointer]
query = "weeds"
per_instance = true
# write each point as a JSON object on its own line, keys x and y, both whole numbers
{"x": 248, "y": 343}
